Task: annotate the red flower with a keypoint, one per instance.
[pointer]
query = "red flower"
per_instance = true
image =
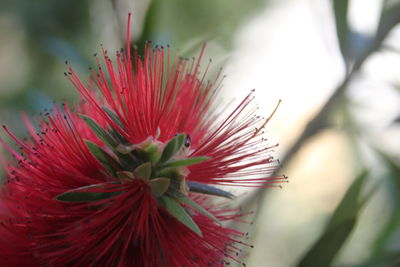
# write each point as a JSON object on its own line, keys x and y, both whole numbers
{"x": 130, "y": 181}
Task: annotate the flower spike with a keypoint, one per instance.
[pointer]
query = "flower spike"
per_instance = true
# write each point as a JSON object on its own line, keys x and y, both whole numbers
{"x": 128, "y": 177}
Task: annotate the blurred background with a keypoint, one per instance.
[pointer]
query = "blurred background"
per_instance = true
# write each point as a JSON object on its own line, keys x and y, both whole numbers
{"x": 335, "y": 64}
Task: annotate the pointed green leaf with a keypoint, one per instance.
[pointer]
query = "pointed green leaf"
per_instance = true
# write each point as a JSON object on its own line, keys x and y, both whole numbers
{"x": 149, "y": 152}
{"x": 96, "y": 151}
{"x": 188, "y": 201}
{"x": 100, "y": 155}
{"x": 325, "y": 249}
{"x": 100, "y": 132}
{"x": 112, "y": 162}
{"x": 180, "y": 139}
{"x": 159, "y": 185}
{"x": 350, "y": 204}
{"x": 172, "y": 147}
{"x": 184, "y": 162}
{"x": 176, "y": 210}
{"x": 111, "y": 142}
{"x": 152, "y": 153}
{"x": 143, "y": 171}
{"x": 339, "y": 227}
{"x": 114, "y": 117}
{"x": 86, "y": 194}
{"x": 208, "y": 190}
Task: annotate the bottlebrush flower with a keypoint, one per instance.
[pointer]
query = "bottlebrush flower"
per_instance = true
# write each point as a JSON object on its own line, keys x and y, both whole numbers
{"x": 129, "y": 176}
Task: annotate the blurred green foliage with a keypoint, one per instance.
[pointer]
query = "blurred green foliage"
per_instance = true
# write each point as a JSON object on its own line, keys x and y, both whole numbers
{"x": 344, "y": 218}
{"x": 53, "y": 31}
{"x": 180, "y": 21}
{"x": 60, "y": 30}
{"x": 339, "y": 227}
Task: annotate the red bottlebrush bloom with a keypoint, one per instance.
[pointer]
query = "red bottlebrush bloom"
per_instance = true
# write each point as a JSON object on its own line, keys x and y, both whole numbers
{"x": 128, "y": 177}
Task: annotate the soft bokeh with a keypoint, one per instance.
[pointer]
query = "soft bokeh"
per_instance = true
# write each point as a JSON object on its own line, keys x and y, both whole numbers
{"x": 334, "y": 64}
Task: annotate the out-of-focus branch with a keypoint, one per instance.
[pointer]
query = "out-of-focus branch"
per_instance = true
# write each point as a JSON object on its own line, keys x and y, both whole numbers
{"x": 390, "y": 17}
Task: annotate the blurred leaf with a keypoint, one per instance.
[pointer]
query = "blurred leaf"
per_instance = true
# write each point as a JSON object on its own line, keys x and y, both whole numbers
{"x": 55, "y": 31}
{"x": 385, "y": 234}
{"x": 391, "y": 259}
{"x": 397, "y": 120}
{"x": 326, "y": 248}
{"x": 340, "y": 8}
{"x": 350, "y": 204}
{"x": 149, "y": 24}
{"x": 182, "y": 21}
{"x": 339, "y": 227}
{"x": 393, "y": 168}
{"x": 390, "y": 17}
{"x": 393, "y": 223}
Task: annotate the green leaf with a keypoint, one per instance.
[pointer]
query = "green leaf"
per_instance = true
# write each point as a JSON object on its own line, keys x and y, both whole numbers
{"x": 394, "y": 170}
{"x": 151, "y": 16}
{"x": 208, "y": 190}
{"x": 96, "y": 151}
{"x": 188, "y": 201}
{"x": 176, "y": 210}
{"x": 184, "y": 162}
{"x": 86, "y": 194}
{"x": 388, "y": 258}
{"x": 339, "y": 228}
{"x": 180, "y": 139}
{"x": 324, "y": 250}
{"x": 150, "y": 153}
{"x": 114, "y": 117}
{"x": 159, "y": 185}
{"x": 172, "y": 147}
{"x": 393, "y": 192}
{"x": 101, "y": 156}
{"x": 207, "y": 20}
{"x": 143, "y": 171}
{"x": 350, "y": 205}
{"x": 100, "y": 132}
{"x": 340, "y": 8}
{"x": 389, "y": 18}
{"x": 114, "y": 163}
